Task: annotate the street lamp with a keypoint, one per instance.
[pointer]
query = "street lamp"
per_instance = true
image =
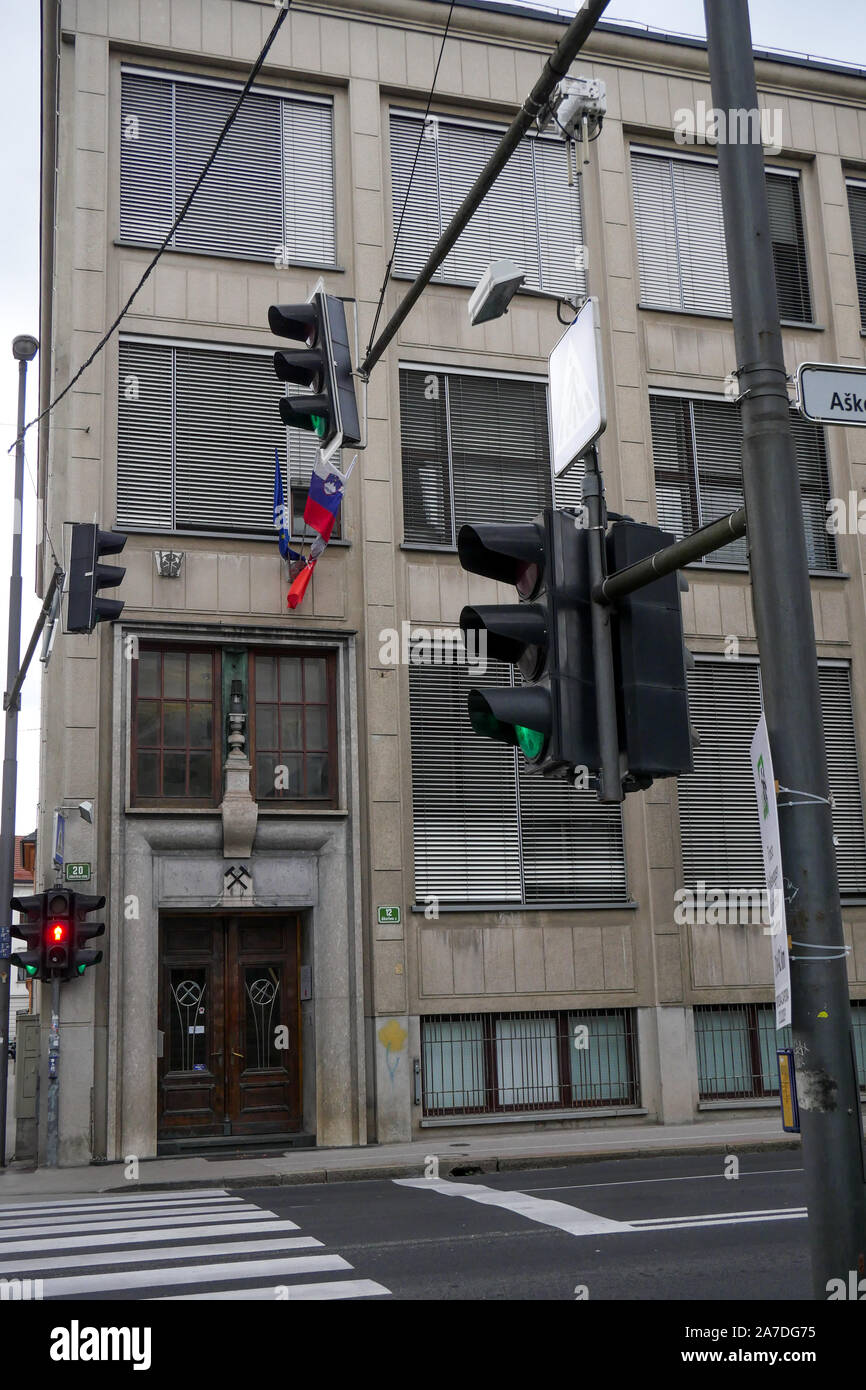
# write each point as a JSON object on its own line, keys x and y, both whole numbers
{"x": 24, "y": 349}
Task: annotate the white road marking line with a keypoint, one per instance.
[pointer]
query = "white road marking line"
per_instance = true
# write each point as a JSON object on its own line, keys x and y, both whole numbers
{"x": 645, "y": 1222}
{"x": 123, "y": 1238}
{"x": 558, "y": 1214}
{"x": 342, "y": 1288}
{"x": 66, "y": 1221}
{"x": 165, "y": 1224}
{"x": 577, "y": 1222}
{"x": 646, "y": 1182}
{"x": 192, "y": 1274}
{"x": 145, "y": 1200}
{"x": 164, "y": 1252}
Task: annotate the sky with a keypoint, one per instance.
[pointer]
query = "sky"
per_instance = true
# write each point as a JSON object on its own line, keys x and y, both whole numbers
{"x": 834, "y": 31}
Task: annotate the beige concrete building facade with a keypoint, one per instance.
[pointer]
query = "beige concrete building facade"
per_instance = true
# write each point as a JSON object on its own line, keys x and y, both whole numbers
{"x": 465, "y": 1006}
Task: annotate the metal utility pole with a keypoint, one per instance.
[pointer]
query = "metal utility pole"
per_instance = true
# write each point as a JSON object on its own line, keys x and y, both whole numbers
{"x": 555, "y": 68}
{"x": 823, "y": 1038}
{"x": 24, "y": 349}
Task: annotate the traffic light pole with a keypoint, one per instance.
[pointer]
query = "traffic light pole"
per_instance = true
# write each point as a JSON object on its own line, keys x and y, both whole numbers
{"x": 52, "y": 1117}
{"x": 827, "y": 1085}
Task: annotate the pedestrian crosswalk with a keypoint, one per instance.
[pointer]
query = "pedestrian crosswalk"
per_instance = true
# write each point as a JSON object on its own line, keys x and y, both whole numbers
{"x": 199, "y": 1245}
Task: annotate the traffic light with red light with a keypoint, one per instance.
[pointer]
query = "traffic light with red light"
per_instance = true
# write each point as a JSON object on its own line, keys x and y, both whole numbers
{"x": 57, "y": 933}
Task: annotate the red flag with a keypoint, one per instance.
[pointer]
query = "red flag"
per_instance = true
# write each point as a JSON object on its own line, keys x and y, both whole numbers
{"x": 299, "y": 584}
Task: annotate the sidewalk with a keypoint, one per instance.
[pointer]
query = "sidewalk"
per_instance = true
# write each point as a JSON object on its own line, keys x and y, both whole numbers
{"x": 459, "y": 1155}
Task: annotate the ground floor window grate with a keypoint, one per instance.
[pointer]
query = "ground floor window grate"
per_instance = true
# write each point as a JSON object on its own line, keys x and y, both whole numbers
{"x": 478, "y": 1064}
{"x": 737, "y": 1050}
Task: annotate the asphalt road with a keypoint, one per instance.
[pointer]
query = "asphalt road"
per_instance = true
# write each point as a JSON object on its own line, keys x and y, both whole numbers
{"x": 661, "y": 1228}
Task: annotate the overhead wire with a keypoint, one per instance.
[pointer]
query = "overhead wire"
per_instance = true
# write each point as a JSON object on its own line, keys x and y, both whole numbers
{"x": 421, "y": 138}
{"x": 254, "y": 72}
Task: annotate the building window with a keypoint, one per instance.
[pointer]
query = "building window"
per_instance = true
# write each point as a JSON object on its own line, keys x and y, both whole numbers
{"x": 531, "y": 215}
{"x": 474, "y": 448}
{"x": 698, "y": 465}
{"x": 736, "y": 1047}
{"x": 173, "y": 755}
{"x": 269, "y": 194}
{"x": 197, "y": 430}
{"x": 294, "y": 728}
{"x": 857, "y": 211}
{"x": 476, "y": 1064}
{"x": 485, "y": 829}
{"x": 681, "y": 236}
{"x": 718, "y": 815}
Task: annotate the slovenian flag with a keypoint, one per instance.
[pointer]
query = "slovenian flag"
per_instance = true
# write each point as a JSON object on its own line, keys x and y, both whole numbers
{"x": 323, "y": 502}
{"x": 281, "y": 514}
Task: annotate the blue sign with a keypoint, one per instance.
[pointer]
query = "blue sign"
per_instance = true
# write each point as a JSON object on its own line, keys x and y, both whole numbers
{"x": 5, "y": 943}
{"x": 59, "y": 827}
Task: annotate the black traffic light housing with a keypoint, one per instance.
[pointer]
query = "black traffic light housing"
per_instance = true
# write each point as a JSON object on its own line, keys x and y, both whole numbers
{"x": 323, "y": 364}
{"x": 58, "y": 933}
{"x": 84, "y": 607}
{"x": 650, "y": 659}
{"x": 550, "y": 715}
{"x": 31, "y": 930}
{"x": 83, "y": 931}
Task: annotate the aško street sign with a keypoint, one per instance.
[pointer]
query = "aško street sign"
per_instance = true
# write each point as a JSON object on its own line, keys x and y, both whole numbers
{"x": 832, "y": 394}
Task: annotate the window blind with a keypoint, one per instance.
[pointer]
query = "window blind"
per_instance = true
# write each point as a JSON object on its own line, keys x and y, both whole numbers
{"x": 697, "y": 460}
{"x": 197, "y": 429}
{"x": 530, "y": 215}
{"x": 474, "y": 448}
{"x": 719, "y": 831}
{"x": 857, "y": 212}
{"x": 487, "y": 830}
{"x": 679, "y": 224}
{"x": 270, "y": 186}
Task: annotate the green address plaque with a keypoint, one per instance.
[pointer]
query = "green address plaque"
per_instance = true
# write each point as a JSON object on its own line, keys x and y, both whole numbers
{"x": 76, "y": 873}
{"x": 388, "y": 914}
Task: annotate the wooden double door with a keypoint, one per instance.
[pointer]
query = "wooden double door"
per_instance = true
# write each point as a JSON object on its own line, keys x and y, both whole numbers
{"x": 229, "y": 1019}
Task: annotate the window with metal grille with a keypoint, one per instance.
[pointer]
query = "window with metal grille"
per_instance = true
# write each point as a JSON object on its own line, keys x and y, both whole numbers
{"x": 487, "y": 830}
{"x": 477, "y": 1064}
{"x": 719, "y": 832}
{"x": 530, "y": 215}
{"x": 680, "y": 233}
{"x": 698, "y": 466}
{"x": 269, "y": 194}
{"x": 857, "y": 211}
{"x": 197, "y": 429}
{"x": 736, "y": 1047}
{"x": 475, "y": 447}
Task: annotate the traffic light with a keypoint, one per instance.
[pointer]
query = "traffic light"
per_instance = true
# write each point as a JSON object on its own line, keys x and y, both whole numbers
{"x": 57, "y": 933}
{"x": 650, "y": 661}
{"x": 84, "y": 608}
{"x": 549, "y": 714}
{"x": 30, "y": 930}
{"x": 323, "y": 365}
{"x": 83, "y": 931}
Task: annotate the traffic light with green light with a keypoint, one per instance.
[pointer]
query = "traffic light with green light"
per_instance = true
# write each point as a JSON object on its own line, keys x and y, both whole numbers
{"x": 30, "y": 929}
{"x": 83, "y": 931}
{"x": 549, "y": 712}
{"x": 328, "y": 407}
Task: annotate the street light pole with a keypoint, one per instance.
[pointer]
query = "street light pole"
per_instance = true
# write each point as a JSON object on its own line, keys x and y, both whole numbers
{"x": 24, "y": 349}
{"x": 828, "y": 1092}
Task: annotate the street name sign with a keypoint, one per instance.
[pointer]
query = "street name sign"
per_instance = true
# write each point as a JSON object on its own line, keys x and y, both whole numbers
{"x": 577, "y": 404}
{"x": 832, "y": 394}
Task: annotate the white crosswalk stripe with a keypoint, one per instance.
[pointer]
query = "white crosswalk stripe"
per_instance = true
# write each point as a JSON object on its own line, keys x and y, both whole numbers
{"x": 146, "y": 1244}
